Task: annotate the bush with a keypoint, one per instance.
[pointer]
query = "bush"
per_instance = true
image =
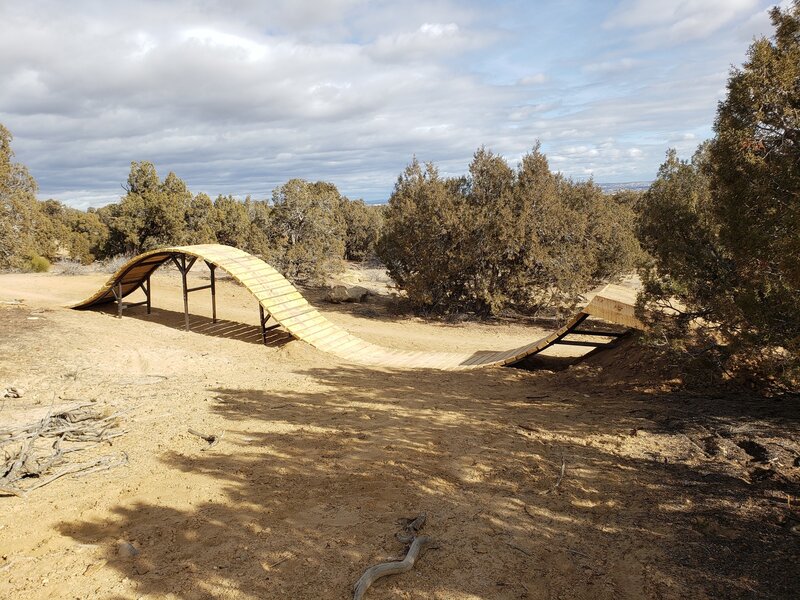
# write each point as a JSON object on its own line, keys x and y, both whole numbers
{"x": 71, "y": 267}
{"x": 500, "y": 238}
{"x": 152, "y": 213}
{"x": 363, "y": 229}
{"x": 729, "y": 254}
{"x": 419, "y": 245}
{"x": 18, "y": 209}
{"x": 232, "y": 223}
{"x": 114, "y": 264}
{"x": 38, "y": 264}
{"x": 306, "y": 230}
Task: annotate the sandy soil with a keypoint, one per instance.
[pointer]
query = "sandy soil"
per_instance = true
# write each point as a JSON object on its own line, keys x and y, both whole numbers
{"x": 663, "y": 494}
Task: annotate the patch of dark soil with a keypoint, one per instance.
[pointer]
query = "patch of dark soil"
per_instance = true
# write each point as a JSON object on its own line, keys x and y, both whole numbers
{"x": 15, "y": 319}
{"x": 755, "y": 450}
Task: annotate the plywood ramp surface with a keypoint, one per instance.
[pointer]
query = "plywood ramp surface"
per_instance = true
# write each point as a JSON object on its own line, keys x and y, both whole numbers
{"x": 287, "y": 306}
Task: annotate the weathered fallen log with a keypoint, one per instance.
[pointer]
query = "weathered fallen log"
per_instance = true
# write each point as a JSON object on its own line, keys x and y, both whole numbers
{"x": 371, "y": 575}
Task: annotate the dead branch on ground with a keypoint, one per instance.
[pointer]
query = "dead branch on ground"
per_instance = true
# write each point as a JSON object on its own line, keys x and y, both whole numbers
{"x": 418, "y": 544}
{"x": 30, "y": 460}
{"x": 374, "y": 573}
{"x": 411, "y": 527}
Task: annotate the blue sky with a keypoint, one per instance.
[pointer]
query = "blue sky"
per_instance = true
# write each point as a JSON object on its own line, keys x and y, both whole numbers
{"x": 239, "y": 97}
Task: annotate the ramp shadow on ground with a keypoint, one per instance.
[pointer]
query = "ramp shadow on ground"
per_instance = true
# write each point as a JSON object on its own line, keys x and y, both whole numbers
{"x": 223, "y": 328}
{"x": 310, "y": 487}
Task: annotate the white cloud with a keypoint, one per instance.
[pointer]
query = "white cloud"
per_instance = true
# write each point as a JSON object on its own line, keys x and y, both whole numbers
{"x": 438, "y": 30}
{"x": 533, "y": 79}
{"x": 238, "y": 101}
{"x": 678, "y": 20}
{"x": 221, "y": 41}
{"x": 428, "y": 42}
{"x": 612, "y": 66}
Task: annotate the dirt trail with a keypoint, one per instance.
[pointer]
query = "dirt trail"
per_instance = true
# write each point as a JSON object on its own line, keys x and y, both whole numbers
{"x": 663, "y": 495}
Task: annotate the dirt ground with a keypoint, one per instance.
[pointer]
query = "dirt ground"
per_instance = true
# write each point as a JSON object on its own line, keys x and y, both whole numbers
{"x": 587, "y": 482}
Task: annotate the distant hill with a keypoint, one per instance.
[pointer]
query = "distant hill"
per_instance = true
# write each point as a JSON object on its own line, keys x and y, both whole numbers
{"x": 636, "y": 186}
{"x": 608, "y": 188}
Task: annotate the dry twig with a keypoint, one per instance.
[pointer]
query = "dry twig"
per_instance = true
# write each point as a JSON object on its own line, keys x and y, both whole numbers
{"x": 279, "y": 562}
{"x": 212, "y": 439}
{"x": 560, "y": 476}
{"x": 518, "y": 548}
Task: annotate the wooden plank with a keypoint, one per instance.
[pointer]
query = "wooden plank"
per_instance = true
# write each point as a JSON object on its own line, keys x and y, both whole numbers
{"x": 348, "y": 346}
{"x": 277, "y": 300}
{"x": 324, "y": 335}
{"x": 615, "y": 304}
{"x": 304, "y": 321}
{"x": 286, "y": 307}
{"x": 319, "y": 331}
{"x": 329, "y": 337}
{"x": 283, "y": 315}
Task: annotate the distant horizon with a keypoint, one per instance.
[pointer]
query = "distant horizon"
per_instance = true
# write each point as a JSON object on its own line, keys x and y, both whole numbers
{"x": 240, "y": 101}
{"x": 607, "y": 187}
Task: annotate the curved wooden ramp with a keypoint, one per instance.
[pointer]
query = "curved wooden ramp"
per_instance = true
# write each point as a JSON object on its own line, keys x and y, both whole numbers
{"x": 283, "y": 302}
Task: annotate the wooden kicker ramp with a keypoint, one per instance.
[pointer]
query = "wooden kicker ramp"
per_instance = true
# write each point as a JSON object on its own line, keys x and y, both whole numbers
{"x": 280, "y": 300}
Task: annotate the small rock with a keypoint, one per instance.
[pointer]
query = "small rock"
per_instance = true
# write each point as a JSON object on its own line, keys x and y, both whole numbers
{"x": 142, "y": 567}
{"x": 342, "y": 293}
{"x": 126, "y": 549}
{"x": 357, "y": 294}
{"x": 337, "y": 294}
{"x": 13, "y": 392}
{"x": 92, "y": 568}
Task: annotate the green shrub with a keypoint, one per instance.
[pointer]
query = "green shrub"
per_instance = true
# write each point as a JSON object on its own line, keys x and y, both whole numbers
{"x": 723, "y": 229}
{"x": 502, "y": 238}
{"x": 38, "y": 264}
{"x": 152, "y": 213}
{"x": 306, "y": 230}
{"x": 363, "y": 228}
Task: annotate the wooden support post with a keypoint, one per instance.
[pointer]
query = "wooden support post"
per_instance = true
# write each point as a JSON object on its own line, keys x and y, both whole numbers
{"x": 184, "y": 271}
{"x": 122, "y": 306}
{"x": 597, "y": 333}
{"x": 580, "y": 320}
{"x": 564, "y": 342}
{"x": 212, "y": 267}
{"x": 184, "y": 267}
{"x": 263, "y": 322}
{"x": 264, "y": 318}
{"x": 147, "y": 292}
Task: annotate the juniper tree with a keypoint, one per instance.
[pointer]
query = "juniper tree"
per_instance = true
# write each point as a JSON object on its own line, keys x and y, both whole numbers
{"x": 307, "y": 229}
{"x": 724, "y": 229}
